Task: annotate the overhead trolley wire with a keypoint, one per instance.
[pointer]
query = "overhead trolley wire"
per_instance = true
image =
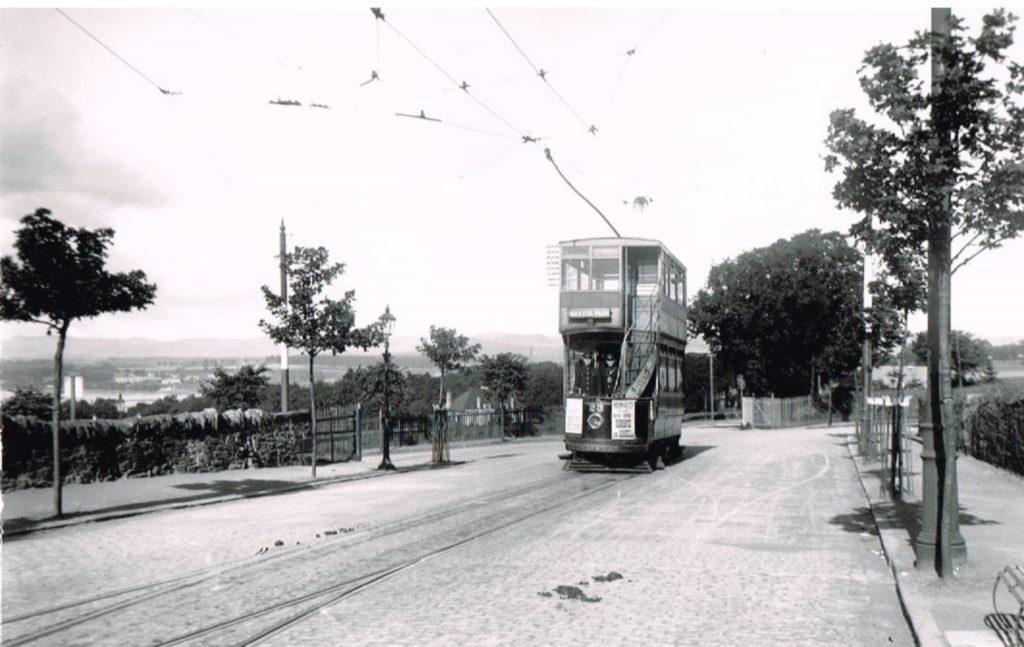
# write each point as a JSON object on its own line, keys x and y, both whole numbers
{"x": 629, "y": 57}
{"x": 543, "y": 74}
{"x": 461, "y": 85}
{"x": 115, "y": 54}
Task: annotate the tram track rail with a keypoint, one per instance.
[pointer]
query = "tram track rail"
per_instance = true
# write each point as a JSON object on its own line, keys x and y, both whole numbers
{"x": 287, "y": 612}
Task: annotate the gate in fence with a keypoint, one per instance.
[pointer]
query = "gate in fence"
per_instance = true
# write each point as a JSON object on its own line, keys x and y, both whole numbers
{"x": 337, "y": 434}
{"x": 887, "y": 440}
{"x": 775, "y": 413}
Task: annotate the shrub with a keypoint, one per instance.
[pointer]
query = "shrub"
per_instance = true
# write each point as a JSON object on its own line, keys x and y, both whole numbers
{"x": 993, "y": 427}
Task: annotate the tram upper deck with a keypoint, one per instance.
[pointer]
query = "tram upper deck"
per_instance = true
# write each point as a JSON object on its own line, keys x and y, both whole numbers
{"x": 610, "y": 284}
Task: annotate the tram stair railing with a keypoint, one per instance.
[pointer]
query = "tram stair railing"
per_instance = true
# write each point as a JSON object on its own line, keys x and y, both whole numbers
{"x": 640, "y": 342}
{"x": 889, "y": 443}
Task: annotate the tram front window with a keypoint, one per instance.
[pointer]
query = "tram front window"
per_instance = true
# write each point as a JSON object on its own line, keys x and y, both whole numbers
{"x": 606, "y": 274}
{"x": 594, "y": 372}
{"x": 576, "y": 274}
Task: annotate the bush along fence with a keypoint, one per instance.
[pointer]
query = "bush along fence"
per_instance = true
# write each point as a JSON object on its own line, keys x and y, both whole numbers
{"x": 992, "y": 429}
{"x": 209, "y": 441}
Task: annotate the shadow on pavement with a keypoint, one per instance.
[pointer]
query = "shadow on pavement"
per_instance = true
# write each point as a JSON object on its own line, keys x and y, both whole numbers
{"x": 896, "y": 514}
{"x": 246, "y": 486}
{"x": 17, "y": 524}
{"x": 688, "y": 452}
{"x": 1010, "y": 629}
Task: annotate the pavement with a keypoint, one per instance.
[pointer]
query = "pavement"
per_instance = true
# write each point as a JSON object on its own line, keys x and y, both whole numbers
{"x": 958, "y": 612}
{"x": 31, "y": 510}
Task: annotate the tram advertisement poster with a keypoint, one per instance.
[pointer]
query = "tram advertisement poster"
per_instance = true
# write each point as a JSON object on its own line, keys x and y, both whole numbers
{"x": 574, "y": 416}
{"x": 623, "y": 419}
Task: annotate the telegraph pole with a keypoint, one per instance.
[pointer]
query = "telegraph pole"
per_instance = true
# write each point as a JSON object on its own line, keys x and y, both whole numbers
{"x": 284, "y": 296}
{"x": 939, "y": 541}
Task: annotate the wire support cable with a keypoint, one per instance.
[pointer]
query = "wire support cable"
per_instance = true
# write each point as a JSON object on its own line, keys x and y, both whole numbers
{"x": 547, "y": 152}
{"x": 460, "y": 84}
{"x": 543, "y": 74}
{"x": 114, "y": 54}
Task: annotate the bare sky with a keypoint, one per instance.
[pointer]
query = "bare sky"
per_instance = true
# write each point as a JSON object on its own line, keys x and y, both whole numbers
{"x": 718, "y": 116}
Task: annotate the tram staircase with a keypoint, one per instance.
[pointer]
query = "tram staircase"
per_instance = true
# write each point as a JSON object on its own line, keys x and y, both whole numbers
{"x": 639, "y": 344}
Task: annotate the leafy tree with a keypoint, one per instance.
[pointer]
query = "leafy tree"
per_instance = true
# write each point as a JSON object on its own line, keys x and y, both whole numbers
{"x": 943, "y": 169}
{"x": 59, "y": 276}
{"x": 448, "y": 351}
{"x": 970, "y": 361}
{"x": 505, "y": 375}
{"x": 28, "y": 401}
{"x": 102, "y": 408}
{"x": 419, "y": 394}
{"x": 311, "y": 322}
{"x": 245, "y": 388}
{"x": 1008, "y": 351}
{"x": 543, "y": 385}
{"x": 784, "y": 315}
{"x": 372, "y": 380}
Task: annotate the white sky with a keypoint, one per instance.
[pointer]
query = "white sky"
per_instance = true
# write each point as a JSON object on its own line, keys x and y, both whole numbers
{"x": 719, "y": 116}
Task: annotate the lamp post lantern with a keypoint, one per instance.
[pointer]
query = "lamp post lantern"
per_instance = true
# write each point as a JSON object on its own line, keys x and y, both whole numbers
{"x": 388, "y": 321}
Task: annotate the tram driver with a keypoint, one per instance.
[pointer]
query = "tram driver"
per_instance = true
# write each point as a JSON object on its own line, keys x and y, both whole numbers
{"x": 588, "y": 378}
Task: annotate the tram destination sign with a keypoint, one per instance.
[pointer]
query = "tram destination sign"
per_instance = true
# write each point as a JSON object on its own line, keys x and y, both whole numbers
{"x": 590, "y": 313}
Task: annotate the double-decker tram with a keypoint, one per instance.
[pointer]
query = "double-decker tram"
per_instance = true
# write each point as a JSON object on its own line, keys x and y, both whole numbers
{"x": 622, "y": 317}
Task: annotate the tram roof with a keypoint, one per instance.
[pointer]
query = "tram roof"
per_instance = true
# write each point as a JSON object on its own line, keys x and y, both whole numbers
{"x": 623, "y": 242}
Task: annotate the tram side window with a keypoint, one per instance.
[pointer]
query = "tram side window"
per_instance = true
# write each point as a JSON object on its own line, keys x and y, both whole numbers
{"x": 576, "y": 274}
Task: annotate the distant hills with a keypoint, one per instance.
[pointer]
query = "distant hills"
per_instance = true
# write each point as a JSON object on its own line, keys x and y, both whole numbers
{"x": 538, "y": 347}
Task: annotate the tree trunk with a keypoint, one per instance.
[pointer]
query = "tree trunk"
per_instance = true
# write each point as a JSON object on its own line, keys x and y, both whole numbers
{"x": 896, "y": 460}
{"x": 58, "y": 375}
{"x": 440, "y": 390}
{"x": 312, "y": 412}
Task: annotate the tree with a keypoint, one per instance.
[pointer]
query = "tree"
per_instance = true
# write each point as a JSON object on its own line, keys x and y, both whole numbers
{"x": 543, "y": 385}
{"x": 28, "y": 401}
{"x": 372, "y": 381}
{"x": 448, "y": 351}
{"x": 785, "y": 315}
{"x": 505, "y": 375}
{"x": 940, "y": 167}
{"x": 59, "y": 276}
{"x": 311, "y": 322}
{"x": 970, "y": 361}
{"x": 245, "y": 388}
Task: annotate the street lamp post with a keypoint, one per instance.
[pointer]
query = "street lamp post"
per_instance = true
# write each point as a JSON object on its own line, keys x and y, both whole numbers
{"x": 388, "y": 321}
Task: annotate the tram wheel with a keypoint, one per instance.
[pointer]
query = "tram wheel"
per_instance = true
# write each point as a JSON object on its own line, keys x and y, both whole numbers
{"x": 652, "y": 458}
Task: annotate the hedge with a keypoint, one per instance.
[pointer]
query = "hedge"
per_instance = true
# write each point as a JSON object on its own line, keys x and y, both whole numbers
{"x": 104, "y": 450}
{"x": 994, "y": 427}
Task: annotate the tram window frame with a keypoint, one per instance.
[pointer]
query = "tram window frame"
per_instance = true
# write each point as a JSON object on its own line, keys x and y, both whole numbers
{"x": 603, "y": 280}
{"x": 576, "y": 274}
{"x": 590, "y": 269}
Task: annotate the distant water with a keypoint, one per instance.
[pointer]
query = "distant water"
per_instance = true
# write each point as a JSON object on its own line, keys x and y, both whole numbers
{"x": 130, "y": 397}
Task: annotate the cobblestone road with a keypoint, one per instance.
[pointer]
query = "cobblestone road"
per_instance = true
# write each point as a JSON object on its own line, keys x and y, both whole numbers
{"x": 752, "y": 539}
